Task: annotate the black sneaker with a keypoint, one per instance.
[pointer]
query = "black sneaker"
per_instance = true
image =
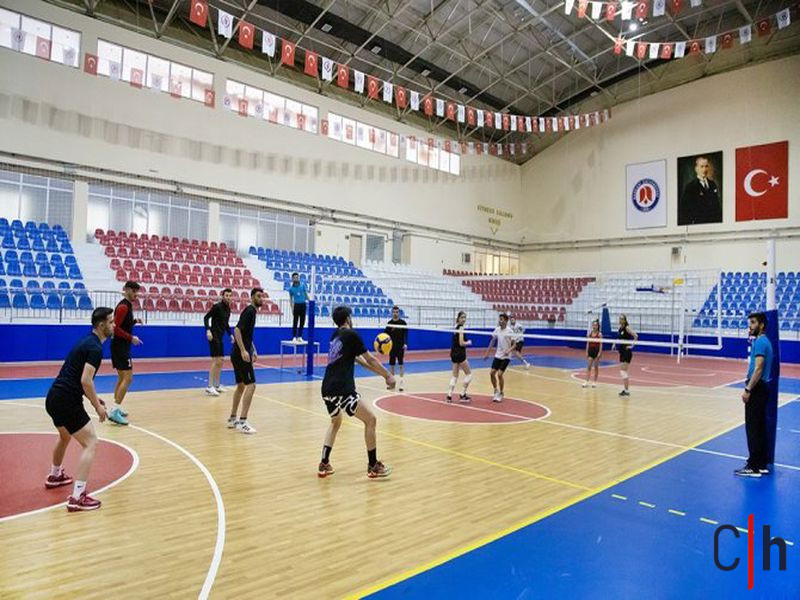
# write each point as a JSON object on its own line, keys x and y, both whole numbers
{"x": 624, "y": 393}
{"x": 746, "y": 471}
{"x": 464, "y": 399}
{"x": 449, "y": 398}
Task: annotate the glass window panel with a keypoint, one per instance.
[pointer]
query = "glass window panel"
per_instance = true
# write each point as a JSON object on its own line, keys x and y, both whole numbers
{"x": 235, "y": 90}
{"x": 201, "y": 81}
{"x": 178, "y": 201}
{"x": 374, "y": 248}
{"x": 99, "y": 190}
{"x": 121, "y": 214}
{"x": 140, "y": 218}
{"x": 393, "y": 145}
{"x": 182, "y": 75}
{"x": 310, "y": 113}
{"x": 66, "y": 47}
{"x": 131, "y": 59}
{"x": 335, "y": 127}
{"x": 248, "y": 234}
{"x": 178, "y": 222}
{"x": 285, "y": 238}
{"x": 59, "y": 209}
{"x": 34, "y": 29}
{"x": 34, "y": 180}
{"x": 422, "y": 153}
{"x": 273, "y": 107}
{"x": 159, "y": 198}
{"x": 290, "y": 113}
{"x": 9, "y": 176}
{"x": 380, "y": 141}
{"x": 106, "y": 54}
{"x": 97, "y": 216}
{"x": 33, "y": 204}
{"x": 455, "y": 164}
{"x": 362, "y": 136}
{"x": 158, "y": 73}
{"x": 9, "y": 200}
{"x": 228, "y": 229}
{"x": 348, "y": 131}
{"x": 444, "y": 161}
{"x": 255, "y": 101}
{"x": 61, "y": 184}
{"x": 157, "y": 219}
{"x": 267, "y": 234}
{"x": 199, "y": 205}
{"x": 266, "y": 215}
{"x": 433, "y": 157}
{"x": 284, "y": 218}
{"x": 122, "y": 192}
{"x": 8, "y": 21}
{"x": 198, "y": 225}
{"x": 300, "y": 238}
{"x": 411, "y": 150}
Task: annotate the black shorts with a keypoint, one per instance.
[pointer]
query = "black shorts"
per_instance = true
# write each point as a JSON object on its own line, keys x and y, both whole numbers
{"x": 594, "y": 352}
{"x": 396, "y": 356}
{"x": 458, "y": 357}
{"x": 518, "y": 346}
{"x": 66, "y": 412}
{"x": 625, "y": 355}
{"x": 337, "y": 404}
{"x": 216, "y": 348}
{"x": 121, "y": 357}
{"x": 500, "y": 364}
{"x": 242, "y": 371}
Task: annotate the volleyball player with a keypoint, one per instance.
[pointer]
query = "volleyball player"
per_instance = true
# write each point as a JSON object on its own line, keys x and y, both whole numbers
{"x": 503, "y": 338}
{"x": 243, "y": 356}
{"x": 458, "y": 356}
{"x": 593, "y": 352}
{"x": 217, "y": 324}
{"x": 399, "y": 337}
{"x": 64, "y": 404}
{"x": 340, "y": 395}
{"x": 625, "y": 332}
{"x": 519, "y": 341}
{"x": 121, "y": 349}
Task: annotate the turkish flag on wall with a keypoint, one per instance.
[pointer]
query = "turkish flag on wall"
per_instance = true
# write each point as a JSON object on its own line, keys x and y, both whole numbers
{"x": 199, "y": 12}
{"x": 247, "y": 32}
{"x": 287, "y": 53}
{"x": 762, "y": 182}
{"x": 90, "y": 63}
{"x": 373, "y": 85}
{"x": 450, "y": 112}
{"x": 400, "y": 97}
{"x": 470, "y": 116}
{"x": 343, "y": 76}
{"x": 427, "y": 106}
{"x": 312, "y": 60}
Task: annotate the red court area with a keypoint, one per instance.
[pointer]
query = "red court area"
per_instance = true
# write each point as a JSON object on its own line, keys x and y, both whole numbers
{"x": 434, "y": 407}
{"x": 25, "y": 459}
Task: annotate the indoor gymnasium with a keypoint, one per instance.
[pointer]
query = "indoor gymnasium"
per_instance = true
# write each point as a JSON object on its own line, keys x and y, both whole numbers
{"x": 419, "y": 299}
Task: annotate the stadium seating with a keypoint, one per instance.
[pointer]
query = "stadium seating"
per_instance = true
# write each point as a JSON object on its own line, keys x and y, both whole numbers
{"x": 41, "y": 266}
{"x": 744, "y": 292}
{"x": 174, "y": 271}
{"x": 337, "y": 281}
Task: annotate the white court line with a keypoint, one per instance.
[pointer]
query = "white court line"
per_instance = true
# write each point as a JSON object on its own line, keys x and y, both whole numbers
{"x": 220, "y": 543}
{"x": 133, "y": 467}
{"x": 724, "y": 385}
{"x": 655, "y": 371}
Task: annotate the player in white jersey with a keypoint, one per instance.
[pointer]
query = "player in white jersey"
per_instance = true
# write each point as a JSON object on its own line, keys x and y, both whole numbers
{"x": 503, "y": 338}
{"x": 519, "y": 340}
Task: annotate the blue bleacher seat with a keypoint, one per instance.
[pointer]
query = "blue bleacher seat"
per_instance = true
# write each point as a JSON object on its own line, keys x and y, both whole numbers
{"x": 85, "y": 303}
{"x": 45, "y": 271}
{"x": 66, "y": 248}
{"x": 54, "y": 301}
{"x": 2, "y": 268}
{"x": 20, "y": 300}
{"x": 70, "y": 261}
{"x": 70, "y": 303}
{"x": 48, "y": 285}
{"x": 55, "y": 259}
{"x": 52, "y": 246}
{"x": 38, "y": 244}
{"x": 59, "y": 272}
{"x": 5, "y": 301}
{"x": 8, "y": 242}
{"x": 29, "y": 270}
{"x": 33, "y": 285}
{"x": 63, "y": 285}
{"x": 75, "y": 273}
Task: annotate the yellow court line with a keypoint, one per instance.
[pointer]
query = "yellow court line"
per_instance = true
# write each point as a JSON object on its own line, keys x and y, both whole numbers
{"x": 417, "y": 442}
{"x": 528, "y": 521}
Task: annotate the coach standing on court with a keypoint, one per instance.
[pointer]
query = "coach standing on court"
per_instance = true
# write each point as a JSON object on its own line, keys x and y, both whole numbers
{"x": 755, "y": 397}
{"x": 298, "y": 294}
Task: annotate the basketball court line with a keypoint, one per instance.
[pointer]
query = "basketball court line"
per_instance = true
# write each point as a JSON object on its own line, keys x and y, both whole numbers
{"x": 520, "y": 419}
{"x": 216, "y": 558}
{"x": 133, "y": 467}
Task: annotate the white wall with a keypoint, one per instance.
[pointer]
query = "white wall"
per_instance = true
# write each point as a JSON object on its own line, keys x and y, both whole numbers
{"x": 63, "y": 114}
{"x": 575, "y": 189}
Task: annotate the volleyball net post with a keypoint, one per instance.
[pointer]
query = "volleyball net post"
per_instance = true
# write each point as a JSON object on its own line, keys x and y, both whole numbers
{"x": 773, "y": 335}
{"x": 312, "y": 321}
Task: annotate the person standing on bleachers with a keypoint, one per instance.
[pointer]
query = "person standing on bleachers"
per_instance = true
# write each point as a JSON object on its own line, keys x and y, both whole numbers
{"x": 121, "y": 349}
{"x": 217, "y": 324}
{"x": 298, "y": 295}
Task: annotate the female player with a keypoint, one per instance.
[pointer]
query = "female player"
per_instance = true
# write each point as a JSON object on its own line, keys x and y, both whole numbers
{"x": 458, "y": 356}
{"x": 593, "y": 352}
{"x": 625, "y": 332}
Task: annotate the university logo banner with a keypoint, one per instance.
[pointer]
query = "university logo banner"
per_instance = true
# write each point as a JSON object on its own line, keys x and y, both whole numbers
{"x": 646, "y": 194}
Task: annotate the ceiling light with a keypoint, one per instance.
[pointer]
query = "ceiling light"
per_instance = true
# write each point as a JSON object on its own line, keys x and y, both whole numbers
{"x": 375, "y": 49}
{"x": 425, "y": 72}
{"x": 326, "y": 27}
{"x": 463, "y": 90}
{"x": 633, "y": 27}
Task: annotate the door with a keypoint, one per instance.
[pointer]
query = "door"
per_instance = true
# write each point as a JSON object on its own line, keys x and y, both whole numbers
{"x": 356, "y": 248}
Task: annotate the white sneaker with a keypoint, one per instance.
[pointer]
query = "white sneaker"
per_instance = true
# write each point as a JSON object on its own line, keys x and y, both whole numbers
{"x": 594, "y": 385}
{"x": 300, "y": 340}
{"x": 210, "y": 391}
{"x": 498, "y": 397}
{"x": 527, "y": 366}
{"x": 244, "y": 427}
{"x": 232, "y": 422}
{"x": 585, "y": 384}
{"x": 221, "y": 389}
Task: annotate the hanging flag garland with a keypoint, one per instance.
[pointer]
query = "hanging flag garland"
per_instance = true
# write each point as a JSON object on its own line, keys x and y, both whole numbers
{"x": 708, "y": 45}
{"x": 639, "y": 9}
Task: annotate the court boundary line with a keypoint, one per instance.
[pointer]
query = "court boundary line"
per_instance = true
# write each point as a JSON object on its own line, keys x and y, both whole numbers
{"x": 133, "y": 467}
{"x": 219, "y": 545}
{"x": 425, "y": 420}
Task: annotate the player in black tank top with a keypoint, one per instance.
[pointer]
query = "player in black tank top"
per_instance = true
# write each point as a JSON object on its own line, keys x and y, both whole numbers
{"x": 458, "y": 356}
{"x": 627, "y": 334}
{"x": 121, "y": 349}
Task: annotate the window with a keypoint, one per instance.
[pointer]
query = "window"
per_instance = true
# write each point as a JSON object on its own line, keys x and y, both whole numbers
{"x": 244, "y": 226}
{"x": 39, "y": 38}
{"x": 335, "y": 127}
{"x": 118, "y": 62}
{"x": 374, "y": 248}
{"x": 271, "y": 107}
{"x": 36, "y": 198}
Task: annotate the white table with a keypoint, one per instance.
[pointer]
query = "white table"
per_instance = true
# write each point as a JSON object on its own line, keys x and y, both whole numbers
{"x": 294, "y": 346}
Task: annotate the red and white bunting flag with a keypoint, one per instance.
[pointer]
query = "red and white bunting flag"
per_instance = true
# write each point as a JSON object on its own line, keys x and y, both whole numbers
{"x": 287, "y": 53}
{"x": 568, "y": 6}
{"x": 597, "y": 10}
{"x": 627, "y": 10}
{"x": 694, "y": 47}
{"x": 247, "y": 33}
{"x": 451, "y": 111}
{"x": 641, "y": 50}
{"x": 520, "y": 123}
{"x": 489, "y": 118}
{"x": 209, "y": 98}
{"x": 675, "y": 6}
{"x": 461, "y": 113}
{"x": 267, "y": 43}
{"x": 400, "y": 97}
{"x": 90, "y": 63}
{"x": 373, "y": 85}
{"x": 653, "y": 50}
{"x": 224, "y": 24}
{"x": 642, "y": 7}
{"x": 506, "y": 121}
{"x": 343, "y": 76}
{"x": 470, "y": 116}
{"x": 198, "y": 12}
{"x": 611, "y": 11}
{"x": 727, "y": 40}
{"x": 479, "y": 118}
{"x": 745, "y": 34}
{"x": 666, "y": 51}
{"x": 312, "y": 64}
{"x": 43, "y": 48}
{"x": 764, "y": 27}
{"x": 659, "y": 8}
{"x": 680, "y": 49}
{"x": 711, "y": 44}
{"x": 582, "y": 6}
{"x": 427, "y": 106}
{"x": 137, "y": 78}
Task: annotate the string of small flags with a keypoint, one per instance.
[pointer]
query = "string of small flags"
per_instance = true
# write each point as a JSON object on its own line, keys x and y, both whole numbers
{"x": 375, "y": 88}
{"x": 708, "y": 45}
{"x": 626, "y": 11}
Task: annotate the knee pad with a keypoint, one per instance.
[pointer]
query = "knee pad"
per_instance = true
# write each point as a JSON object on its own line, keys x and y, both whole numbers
{"x": 453, "y": 381}
{"x": 467, "y": 379}
{"x": 623, "y": 374}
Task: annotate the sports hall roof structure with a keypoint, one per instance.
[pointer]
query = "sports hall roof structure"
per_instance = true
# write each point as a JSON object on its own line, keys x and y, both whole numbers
{"x": 526, "y": 57}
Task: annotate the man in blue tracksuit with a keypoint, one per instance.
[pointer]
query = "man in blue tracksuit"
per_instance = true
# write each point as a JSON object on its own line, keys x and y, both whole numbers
{"x": 298, "y": 295}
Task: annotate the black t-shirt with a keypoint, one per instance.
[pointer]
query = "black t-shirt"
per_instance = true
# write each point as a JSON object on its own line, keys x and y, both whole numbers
{"x": 455, "y": 346}
{"x": 219, "y": 317}
{"x": 246, "y": 325}
{"x": 399, "y": 336}
{"x": 123, "y": 324}
{"x": 624, "y": 334}
{"x": 89, "y": 350}
{"x": 346, "y": 344}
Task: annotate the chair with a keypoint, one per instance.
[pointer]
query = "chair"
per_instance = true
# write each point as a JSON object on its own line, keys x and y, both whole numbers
{"x": 37, "y": 301}
{"x": 54, "y": 302}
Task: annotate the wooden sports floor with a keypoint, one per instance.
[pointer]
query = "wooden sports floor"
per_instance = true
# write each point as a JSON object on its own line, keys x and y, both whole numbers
{"x": 209, "y": 511}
